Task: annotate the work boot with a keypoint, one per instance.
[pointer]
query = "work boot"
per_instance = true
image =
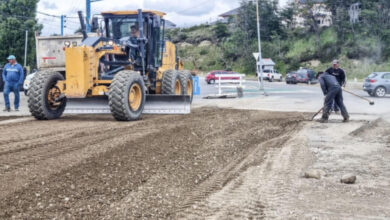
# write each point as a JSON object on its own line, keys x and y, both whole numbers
{"x": 7, "y": 109}
{"x": 346, "y": 119}
{"x": 323, "y": 120}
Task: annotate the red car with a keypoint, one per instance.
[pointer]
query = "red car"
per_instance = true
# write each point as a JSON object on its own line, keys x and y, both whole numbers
{"x": 211, "y": 78}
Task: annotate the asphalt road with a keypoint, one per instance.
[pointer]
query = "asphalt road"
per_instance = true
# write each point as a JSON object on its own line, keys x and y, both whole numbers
{"x": 286, "y": 97}
{"x": 281, "y": 97}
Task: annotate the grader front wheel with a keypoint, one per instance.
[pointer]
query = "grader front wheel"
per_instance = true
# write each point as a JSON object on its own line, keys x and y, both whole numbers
{"x": 43, "y": 96}
{"x": 127, "y": 96}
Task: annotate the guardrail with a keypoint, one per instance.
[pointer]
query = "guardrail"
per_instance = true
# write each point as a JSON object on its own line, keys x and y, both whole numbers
{"x": 227, "y": 79}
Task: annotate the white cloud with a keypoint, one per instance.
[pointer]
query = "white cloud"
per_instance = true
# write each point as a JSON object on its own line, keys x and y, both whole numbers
{"x": 180, "y": 12}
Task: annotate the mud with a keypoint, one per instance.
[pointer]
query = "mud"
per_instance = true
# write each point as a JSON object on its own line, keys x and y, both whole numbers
{"x": 162, "y": 167}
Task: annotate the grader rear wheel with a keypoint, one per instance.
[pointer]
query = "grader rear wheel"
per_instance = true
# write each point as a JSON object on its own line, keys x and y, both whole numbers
{"x": 171, "y": 83}
{"x": 43, "y": 96}
{"x": 186, "y": 81}
{"x": 127, "y": 96}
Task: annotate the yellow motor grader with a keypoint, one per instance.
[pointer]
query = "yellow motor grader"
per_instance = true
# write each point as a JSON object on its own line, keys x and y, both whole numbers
{"x": 131, "y": 69}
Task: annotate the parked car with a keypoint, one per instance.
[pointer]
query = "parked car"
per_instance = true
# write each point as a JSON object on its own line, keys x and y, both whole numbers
{"x": 27, "y": 81}
{"x": 377, "y": 84}
{"x": 291, "y": 78}
{"x": 211, "y": 76}
{"x": 272, "y": 75}
{"x": 306, "y": 76}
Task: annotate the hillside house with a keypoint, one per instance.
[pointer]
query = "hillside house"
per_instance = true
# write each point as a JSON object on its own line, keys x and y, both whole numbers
{"x": 354, "y": 12}
{"x": 321, "y": 14}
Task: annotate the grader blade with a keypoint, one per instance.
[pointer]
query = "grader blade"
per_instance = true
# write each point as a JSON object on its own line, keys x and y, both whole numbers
{"x": 155, "y": 104}
{"x": 98, "y": 105}
{"x": 167, "y": 104}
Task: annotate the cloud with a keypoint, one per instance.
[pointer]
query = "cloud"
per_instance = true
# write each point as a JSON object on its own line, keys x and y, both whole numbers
{"x": 49, "y": 5}
{"x": 180, "y": 12}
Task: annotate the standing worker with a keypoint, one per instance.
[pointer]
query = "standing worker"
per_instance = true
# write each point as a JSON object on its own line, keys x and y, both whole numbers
{"x": 333, "y": 92}
{"x": 339, "y": 73}
{"x": 13, "y": 77}
{"x": 336, "y": 71}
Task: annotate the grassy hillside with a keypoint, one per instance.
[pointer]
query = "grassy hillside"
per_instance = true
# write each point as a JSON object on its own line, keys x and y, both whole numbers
{"x": 359, "y": 55}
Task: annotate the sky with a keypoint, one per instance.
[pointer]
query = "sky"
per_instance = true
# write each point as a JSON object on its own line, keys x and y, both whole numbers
{"x": 181, "y": 12}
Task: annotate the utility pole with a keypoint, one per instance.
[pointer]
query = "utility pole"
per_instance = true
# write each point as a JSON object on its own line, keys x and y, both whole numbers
{"x": 259, "y": 61}
{"x": 25, "y": 49}
{"x": 88, "y": 12}
{"x": 62, "y": 25}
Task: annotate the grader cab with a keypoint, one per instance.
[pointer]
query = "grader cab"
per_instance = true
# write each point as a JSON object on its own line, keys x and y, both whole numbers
{"x": 131, "y": 69}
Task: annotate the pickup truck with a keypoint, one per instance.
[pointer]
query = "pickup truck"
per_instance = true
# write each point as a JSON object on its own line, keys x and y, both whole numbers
{"x": 272, "y": 75}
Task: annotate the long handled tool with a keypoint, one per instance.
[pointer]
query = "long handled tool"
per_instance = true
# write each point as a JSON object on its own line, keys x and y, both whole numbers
{"x": 364, "y": 98}
{"x": 312, "y": 118}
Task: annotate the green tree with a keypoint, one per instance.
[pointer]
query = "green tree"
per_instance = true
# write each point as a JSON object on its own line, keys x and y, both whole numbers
{"x": 221, "y": 30}
{"x": 243, "y": 40}
{"x": 17, "y": 16}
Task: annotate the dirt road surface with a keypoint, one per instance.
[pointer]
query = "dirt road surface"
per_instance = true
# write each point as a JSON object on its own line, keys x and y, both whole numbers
{"x": 214, "y": 163}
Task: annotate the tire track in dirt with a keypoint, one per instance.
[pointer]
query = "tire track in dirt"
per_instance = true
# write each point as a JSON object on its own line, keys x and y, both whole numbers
{"x": 241, "y": 196}
{"x": 139, "y": 170}
{"x": 208, "y": 183}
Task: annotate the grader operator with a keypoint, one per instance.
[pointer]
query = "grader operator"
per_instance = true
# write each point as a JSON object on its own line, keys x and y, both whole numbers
{"x": 130, "y": 70}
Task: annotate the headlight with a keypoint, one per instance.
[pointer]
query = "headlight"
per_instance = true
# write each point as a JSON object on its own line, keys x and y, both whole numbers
{"x": 111, "y": 43}
{"x": 67, "y": 43}
{"x": 104, "y": 43}
{"x": 74, "y": 43}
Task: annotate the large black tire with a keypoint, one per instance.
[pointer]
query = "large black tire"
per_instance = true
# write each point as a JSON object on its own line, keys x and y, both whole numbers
{"x": 40, "y": 101}
{"x": 124, "y": 83}
{"x": 171, "y": 84}
{"x": 186, "y": 83}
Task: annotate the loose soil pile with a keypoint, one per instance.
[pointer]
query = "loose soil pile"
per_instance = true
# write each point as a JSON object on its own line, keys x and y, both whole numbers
{"x": 92, "y": 167}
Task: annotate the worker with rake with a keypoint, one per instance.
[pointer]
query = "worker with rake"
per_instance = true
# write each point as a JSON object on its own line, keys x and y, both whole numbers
{"x": 333, "y": 93}
{"x": 341, "y": 78}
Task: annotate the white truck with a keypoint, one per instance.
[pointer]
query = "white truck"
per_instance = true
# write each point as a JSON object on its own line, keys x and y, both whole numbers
{"x": 271, "y": 75}
{"x": 50, "y": 54}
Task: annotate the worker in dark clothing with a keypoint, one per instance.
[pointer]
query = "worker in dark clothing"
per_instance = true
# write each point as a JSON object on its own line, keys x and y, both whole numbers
{"x": 134, "y": 52}
{"x": 333, "y": 92}
{"x": 336, "y": 71}
{"x": 340, "y": 76}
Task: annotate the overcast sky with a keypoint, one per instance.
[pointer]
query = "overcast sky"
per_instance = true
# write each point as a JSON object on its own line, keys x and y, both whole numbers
{"x": 180, "y": 12}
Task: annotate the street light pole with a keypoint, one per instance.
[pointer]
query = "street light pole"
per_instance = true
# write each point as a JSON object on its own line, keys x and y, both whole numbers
{"x": 88, "y": 10}
{"x": 259, "y": 61}
{"x": 25, "y": 49}
{"x": 62, "y": 25}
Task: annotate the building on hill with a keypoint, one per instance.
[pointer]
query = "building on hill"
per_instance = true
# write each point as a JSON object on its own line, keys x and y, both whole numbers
{"x": 232, "y": 13}
{"x": 354, "y": 12}
{"x": 169, "y": 24}
{"x": 227, "y": 15}
{"x": 321, "y": 14}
